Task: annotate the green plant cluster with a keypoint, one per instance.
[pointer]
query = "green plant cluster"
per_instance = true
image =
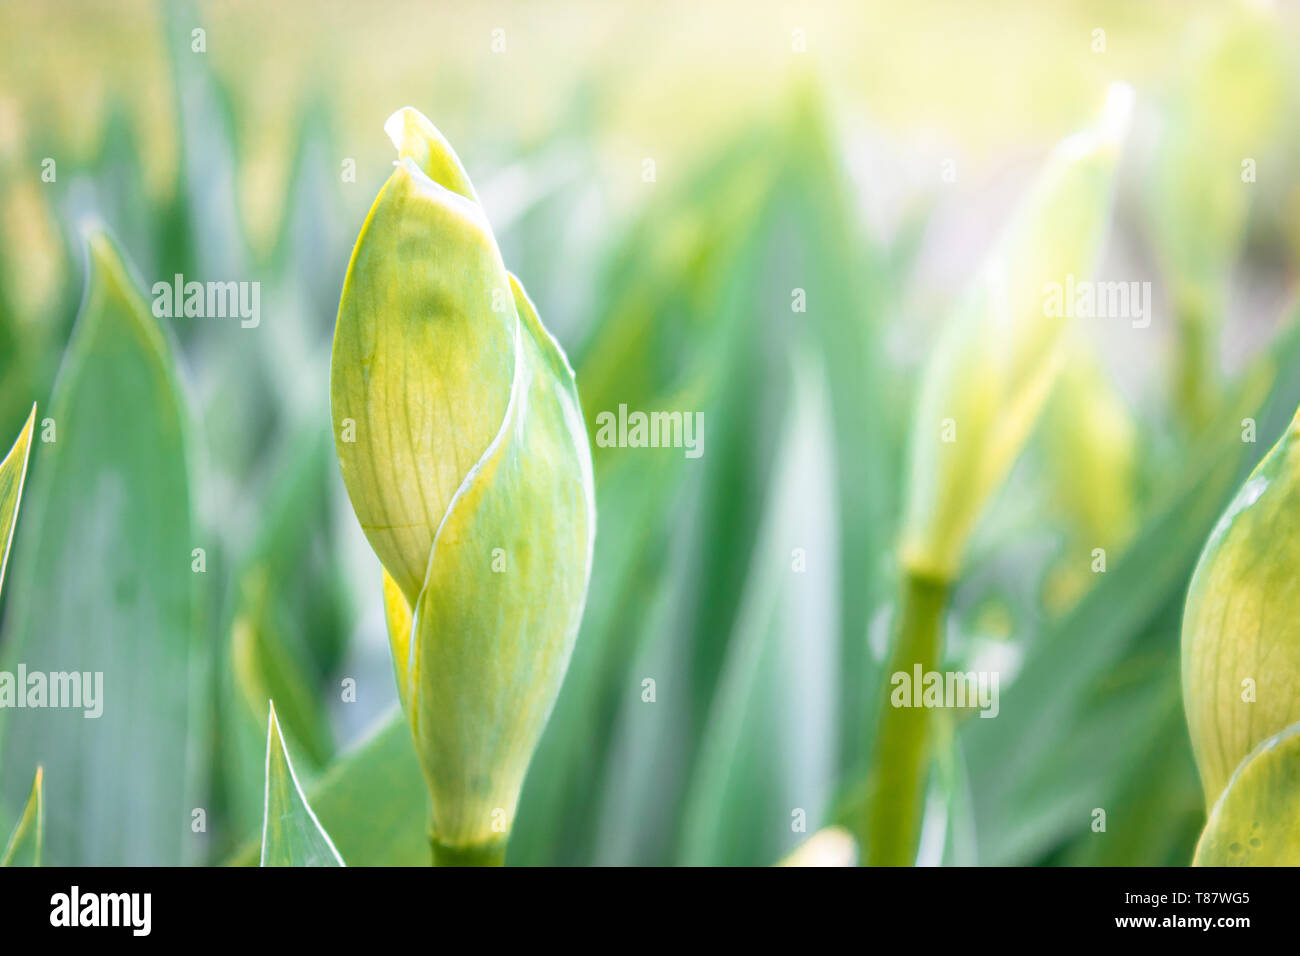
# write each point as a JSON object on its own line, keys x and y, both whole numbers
{"x": 193, "y": 527}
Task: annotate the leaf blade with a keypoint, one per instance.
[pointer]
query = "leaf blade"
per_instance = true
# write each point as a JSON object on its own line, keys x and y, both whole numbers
{"x": 104, "y": 590}
{"x": 291, "y": 833}
{"x": 13, "y": 471}
{"x": 373, "y": 802}
{"x": 24, "y": 846}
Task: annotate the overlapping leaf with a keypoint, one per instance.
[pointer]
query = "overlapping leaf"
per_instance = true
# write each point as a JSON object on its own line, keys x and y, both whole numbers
{"x": 1256, "y": 821}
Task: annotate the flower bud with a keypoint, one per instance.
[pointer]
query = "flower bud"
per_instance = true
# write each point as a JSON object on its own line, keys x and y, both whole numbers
{"x": 1241, "y": 625}
{"x": 465, "y": 455}
{"x": 996, "y": 363}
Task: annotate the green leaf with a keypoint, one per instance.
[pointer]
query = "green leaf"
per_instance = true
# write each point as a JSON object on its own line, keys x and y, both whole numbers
{"x": 265, "y": 669}
{"x": 291, "y": 834}
{"x": 12, "y": 472}
{"x": 562, "y": 789}
{"x": 768, "y": 748}
{"x": 686, "y": 272}
{"x": 283, "y": 637}
{"x": 845, "y": 274}
{"x": 288, "y": 634}
{"x": 296, "y": 550}
{"x": 102, "y": 586}
{"x": 1157, "y": 810}
{"x": 1256, "y": 821}
{"x": 24, "y": 846}
{"x": 374, "y": 803}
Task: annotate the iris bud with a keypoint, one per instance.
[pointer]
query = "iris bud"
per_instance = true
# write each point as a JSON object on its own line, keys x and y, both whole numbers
{"x": 465, "y": 455}
{"x": 984, "y": 387}
{"x": 1241, "y": 625}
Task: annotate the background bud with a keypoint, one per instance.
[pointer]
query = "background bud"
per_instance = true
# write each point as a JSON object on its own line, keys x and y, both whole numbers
{"x": 997, "y": 361}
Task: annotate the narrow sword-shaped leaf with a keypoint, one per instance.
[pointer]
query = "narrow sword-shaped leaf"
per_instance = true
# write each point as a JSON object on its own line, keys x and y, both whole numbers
{"x": 291, "y": 834}
{"x": 102, "y": 588}
{"x": 12, "y": 472}
{"x": 24, "y": 846}
{"x": 373, "y": 802}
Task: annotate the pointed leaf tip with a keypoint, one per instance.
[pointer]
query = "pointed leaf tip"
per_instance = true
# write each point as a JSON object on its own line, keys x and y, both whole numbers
{"x": 13, "y": 472}
{"x": 24, "y": 846}
{"x": 291, "y": 834}
{"x": 112, "y": 503}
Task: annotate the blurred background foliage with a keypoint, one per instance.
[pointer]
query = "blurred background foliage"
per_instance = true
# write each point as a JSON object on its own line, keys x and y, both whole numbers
{"x": 823, "y": 169}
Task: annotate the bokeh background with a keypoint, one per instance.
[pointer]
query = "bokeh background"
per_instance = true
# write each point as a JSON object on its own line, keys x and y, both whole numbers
{"x": 866, "y": 153}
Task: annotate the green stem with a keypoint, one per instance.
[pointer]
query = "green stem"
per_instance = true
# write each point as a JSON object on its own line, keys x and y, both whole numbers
{"x": 896, "y": 791}
{"x": 492, "y": 853}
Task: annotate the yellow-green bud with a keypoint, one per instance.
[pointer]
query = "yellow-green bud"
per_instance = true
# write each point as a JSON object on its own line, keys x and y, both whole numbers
{"x": 994, "y": 367}
{"x": 1241, "y": 626}
{"x": 464, "y": 452}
